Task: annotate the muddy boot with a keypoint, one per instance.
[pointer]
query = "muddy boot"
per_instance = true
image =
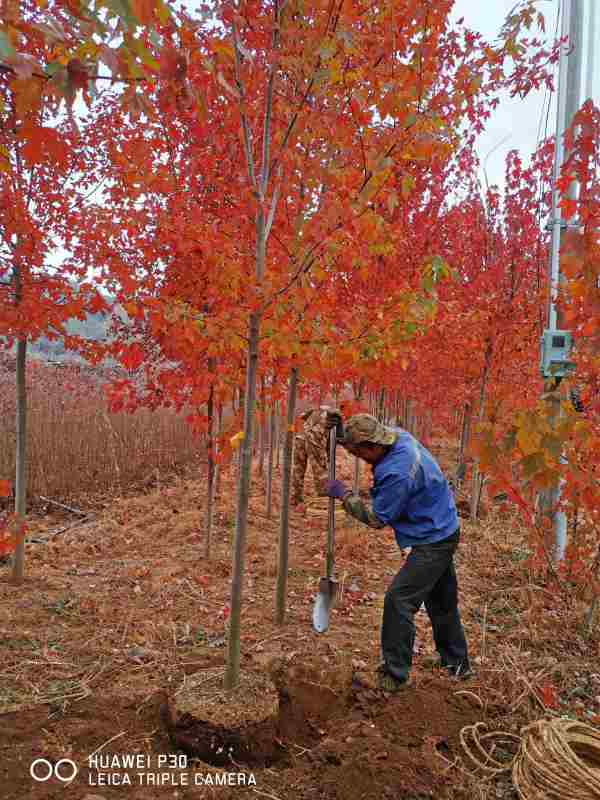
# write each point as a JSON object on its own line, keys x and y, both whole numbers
{"x": 387, "y": 682}
{"x": 459, "y": 672}
{"x": 363, "y": 679}
{"x": 431, "y": 663}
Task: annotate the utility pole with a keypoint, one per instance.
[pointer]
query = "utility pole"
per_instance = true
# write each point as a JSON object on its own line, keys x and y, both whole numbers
{"x": 557, "y": 342}
{"x": 591, "y": 55}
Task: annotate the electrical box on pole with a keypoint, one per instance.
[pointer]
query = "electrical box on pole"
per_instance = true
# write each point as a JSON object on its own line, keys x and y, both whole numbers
{"x": 556, "y": 353}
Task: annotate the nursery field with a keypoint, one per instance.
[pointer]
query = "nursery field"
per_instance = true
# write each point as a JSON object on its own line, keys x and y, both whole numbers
{"x": 117, "y": 611}
{"x": 238, "y": 227}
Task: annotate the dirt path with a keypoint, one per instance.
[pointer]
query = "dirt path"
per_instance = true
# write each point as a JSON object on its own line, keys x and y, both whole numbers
{"x": 116, "y": 613}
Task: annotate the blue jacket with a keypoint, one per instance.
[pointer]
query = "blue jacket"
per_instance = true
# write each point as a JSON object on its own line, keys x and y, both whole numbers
{"x": 411, "y": 494}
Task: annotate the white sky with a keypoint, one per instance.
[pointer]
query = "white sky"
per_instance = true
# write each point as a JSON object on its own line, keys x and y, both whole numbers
{"x": 515, "y": 119}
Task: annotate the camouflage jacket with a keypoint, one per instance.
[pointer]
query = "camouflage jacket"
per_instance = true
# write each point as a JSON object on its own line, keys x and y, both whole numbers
{"x": 315, "y": 429}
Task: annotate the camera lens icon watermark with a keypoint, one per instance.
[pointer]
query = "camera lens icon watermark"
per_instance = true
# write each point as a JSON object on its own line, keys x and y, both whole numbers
{"x": 64, "y": 770}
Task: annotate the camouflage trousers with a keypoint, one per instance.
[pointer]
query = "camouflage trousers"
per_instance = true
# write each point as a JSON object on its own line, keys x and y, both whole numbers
{"x": 306, "y": 450}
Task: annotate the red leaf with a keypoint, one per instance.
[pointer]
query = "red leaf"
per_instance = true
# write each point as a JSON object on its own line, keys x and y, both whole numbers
{"x": 5, "y": 488}
{"x": 41, "y": 143}
{"x": 548, "y": 695}
{"x": 78, "y": 74}
{"x": 173, "y": 65}
{"x": 7, "y": 545}
{"x": 132, "y": 357}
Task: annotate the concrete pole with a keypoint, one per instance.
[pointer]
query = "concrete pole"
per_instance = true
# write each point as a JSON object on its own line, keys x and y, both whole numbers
{"x": 569, "y": 101}
{"x": 575, "y": 69}
{"x": 561, "y": 125}
{"x": 591, "y": 54}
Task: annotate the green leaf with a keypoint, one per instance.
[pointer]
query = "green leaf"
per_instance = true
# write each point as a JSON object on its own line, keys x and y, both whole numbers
{"x": 328, "y": 50}
{"x": 509, "y": 440}
{"x": 408, "y": 183}
{"x": 144, "y": 55}
{"x": 122, "y": 10}
{"x": 552, "y": 445}
{"x": 53, "y": 67}
{"x": 6, "y": 48}
{"x": 533, "y": 464}
{"x": 439, "y": 268}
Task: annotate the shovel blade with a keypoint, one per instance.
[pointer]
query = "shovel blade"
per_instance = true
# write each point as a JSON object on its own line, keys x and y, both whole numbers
{"x": 323, "y": 604}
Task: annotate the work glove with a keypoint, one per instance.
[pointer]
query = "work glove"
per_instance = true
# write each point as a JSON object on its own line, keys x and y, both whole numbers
{"x": 336, "y": 489}
{"x": 333, "y": 419}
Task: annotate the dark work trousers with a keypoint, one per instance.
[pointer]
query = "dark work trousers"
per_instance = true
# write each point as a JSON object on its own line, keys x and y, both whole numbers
{"x": 428, "y": 576}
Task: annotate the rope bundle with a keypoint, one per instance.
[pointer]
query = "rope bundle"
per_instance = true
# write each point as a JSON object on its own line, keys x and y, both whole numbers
{"x": 557, "y": 759}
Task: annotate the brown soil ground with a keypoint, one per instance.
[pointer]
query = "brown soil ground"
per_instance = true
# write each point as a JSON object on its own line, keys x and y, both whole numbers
{"x": 115, "y": 613}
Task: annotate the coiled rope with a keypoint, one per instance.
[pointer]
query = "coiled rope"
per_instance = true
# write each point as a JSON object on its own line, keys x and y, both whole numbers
{"x": 556, "y": 759}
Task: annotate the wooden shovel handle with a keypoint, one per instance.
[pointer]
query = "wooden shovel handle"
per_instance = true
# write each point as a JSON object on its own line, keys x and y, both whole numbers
{"x": 330, "y": 558}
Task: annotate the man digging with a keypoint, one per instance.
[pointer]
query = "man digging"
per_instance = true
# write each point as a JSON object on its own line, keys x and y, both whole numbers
{"x": 412, "y": 496}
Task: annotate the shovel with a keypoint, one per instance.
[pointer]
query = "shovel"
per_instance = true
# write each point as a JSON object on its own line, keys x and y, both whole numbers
{"x": 328, "y": 587}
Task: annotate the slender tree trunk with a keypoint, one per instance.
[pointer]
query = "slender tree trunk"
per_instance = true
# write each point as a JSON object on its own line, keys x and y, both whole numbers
{"x": 358, "y": 396}
{"x": 381, "y": 410}
{"x": 409, "y": 416}
{"x": 232, "y": 670}
{"x": 218, "y": 467}
{"x": 263, "y": 431}
{"x": 277, "y": 438}
{"x": 272, "y": 445}
{"x": 477, "y": 478}
{"x": 21, "y": 461}
{"x": 241, "y": 410}
{"x": 210, "y": 482}
{"x": 262, "y": 226}
{"x": 284, "y": 518}
{"x": 464, "y": 441}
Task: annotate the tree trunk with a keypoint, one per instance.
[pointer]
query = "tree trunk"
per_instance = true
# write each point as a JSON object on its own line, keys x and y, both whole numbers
{"x": 591, "y": 616}
{"x": 461, "y": 468}
{"x": 408, "y": 414}
{"x": 277, "y": 438}
{"x": 241, "y": 413}
{"x": 218, "y": 467}
{"x": 232, "y": 670}
{"x": 477, "y": 479}
{"x": 358, "y": 396}
{"x": 381, "y": 409}
{"x": 210, "y": 483}
{"x": 272, "y": 445}
{"x": 284, "y": 519}
{"x": 262, "y": 430}
{"x": 20, "y": 466}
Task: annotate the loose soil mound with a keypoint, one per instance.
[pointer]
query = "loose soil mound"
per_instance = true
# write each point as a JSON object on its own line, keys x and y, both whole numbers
{"x": 223, "y": 727}
{"x": 377, "y": 745}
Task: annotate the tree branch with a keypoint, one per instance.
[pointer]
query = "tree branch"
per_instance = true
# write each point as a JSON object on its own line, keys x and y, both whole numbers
{"x": 245, "y": 127}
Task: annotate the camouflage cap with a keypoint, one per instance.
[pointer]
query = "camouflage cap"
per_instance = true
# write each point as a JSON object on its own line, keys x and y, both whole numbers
{"x": 365, "y": 428}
